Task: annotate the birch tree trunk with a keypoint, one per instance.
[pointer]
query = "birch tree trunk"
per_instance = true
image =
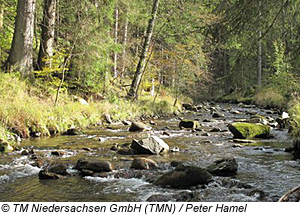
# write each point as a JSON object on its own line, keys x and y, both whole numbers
{"x": 47, "y": 39}
{"x": 124, "y": 44}
{"x": 116, "y": 41}
{"x": 133, "y": 92}
{"x": 20, "y": 55}
{"x": 1, "y": 15}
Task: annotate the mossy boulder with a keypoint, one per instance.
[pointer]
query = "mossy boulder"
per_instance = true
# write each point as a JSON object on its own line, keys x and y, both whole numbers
{"x": 193, "y": 124}
{"x": 243, "y": 130}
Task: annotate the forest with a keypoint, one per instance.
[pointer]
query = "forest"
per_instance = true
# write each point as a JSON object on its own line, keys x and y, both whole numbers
{"x": 67, "y": 66}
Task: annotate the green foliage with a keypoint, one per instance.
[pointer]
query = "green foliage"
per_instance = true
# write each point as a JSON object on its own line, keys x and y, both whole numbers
{"x": 54, "y": 68}
{"x": 283, "y": 75}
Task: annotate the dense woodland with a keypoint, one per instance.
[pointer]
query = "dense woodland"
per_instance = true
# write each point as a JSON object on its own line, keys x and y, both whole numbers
{"x": 139, "y": 55}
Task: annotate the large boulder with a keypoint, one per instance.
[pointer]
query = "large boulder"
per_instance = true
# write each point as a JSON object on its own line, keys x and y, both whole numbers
{"x": 94, "y": 165}
{"x": 139, "y": 126}
{"x": 150, "y": 145}
{"x": 223, "y": 167}
{"x": 193, "y": 124}
{"x": 143, "y": 163}
{"x": 243, "y": 130}
{"x": 184, "y": 176}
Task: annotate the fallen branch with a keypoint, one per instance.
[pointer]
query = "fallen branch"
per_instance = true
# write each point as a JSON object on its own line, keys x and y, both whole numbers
{"x": 285, "y": 197}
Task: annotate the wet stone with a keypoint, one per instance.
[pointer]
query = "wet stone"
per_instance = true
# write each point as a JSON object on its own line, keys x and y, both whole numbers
{"x": 223, "y": 167}
{"x": 72, "y": 131}
{"x": 94, "y": 165}
{"x": 143, "y": 163}
{"x": 184, "y": 176}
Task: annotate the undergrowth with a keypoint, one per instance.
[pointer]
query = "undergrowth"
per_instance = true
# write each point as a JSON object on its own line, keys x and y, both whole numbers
{"x": 25, "y": 109}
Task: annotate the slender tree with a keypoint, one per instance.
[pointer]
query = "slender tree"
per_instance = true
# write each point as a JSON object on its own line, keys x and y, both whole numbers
{"x": 259, "y": 66}
{"x": 116, "y": 41}
{"x": 133, "y": 92}
{"x": 20, "y": 56}
{"x": 47, "y": 38}
{"x": 1, "y": 14}
{"x": 124, "y": 43}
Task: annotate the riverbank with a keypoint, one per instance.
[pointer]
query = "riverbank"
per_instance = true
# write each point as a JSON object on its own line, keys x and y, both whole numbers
{"x": 264, "y": 98}
{"x": 27, "y": 111}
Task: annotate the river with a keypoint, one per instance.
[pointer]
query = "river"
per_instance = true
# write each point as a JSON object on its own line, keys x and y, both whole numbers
{"x": 265, "y": 171}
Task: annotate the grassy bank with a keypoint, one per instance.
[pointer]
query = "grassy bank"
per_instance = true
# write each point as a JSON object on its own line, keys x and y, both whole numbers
{"x": 25, "y": 109}
{"x": 265, "y": 98}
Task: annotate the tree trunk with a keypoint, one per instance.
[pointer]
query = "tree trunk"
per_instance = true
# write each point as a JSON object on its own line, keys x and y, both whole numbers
{"x": 47, "y": 39}
{"x": 124, "y": 44}
{"x": 259, "y": 67}
{"x": 20, "y": 55}
{"x": 133, "y": 92}
{"x": 116, "y": 41}
{"x": 1, "y": 15}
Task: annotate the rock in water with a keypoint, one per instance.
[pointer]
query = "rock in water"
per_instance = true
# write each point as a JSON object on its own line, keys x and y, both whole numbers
{"x": 187, "y": 106}
{"x": 126, "y": 122}
{"x": 243, "y": 130}
{"x": 94, "y": 165}
{"x": 223, "y": 167}
{"x": 72, "y": 131}
{"x": 143, "y": 163}
{"x": 5, "y": 147}
{"x": 150, "y": 145}
{"x": 44, "y": 175}
{"x": 55, "y": 171}
{"x": 184, "y": 176}
{"x": 217, "y": 115}
{"x": 107, "y": 118}
{"x": 189, "y": 124}
{"x": 60, "y": 169}
{"x": 139, "y": 126}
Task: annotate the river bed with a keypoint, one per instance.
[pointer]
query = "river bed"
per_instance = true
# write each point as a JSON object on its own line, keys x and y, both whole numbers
{"x": 265, "y": 171}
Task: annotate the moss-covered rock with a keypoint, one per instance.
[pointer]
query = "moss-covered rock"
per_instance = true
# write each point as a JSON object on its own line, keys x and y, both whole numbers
{"x": 193, "y": 124}
{"x": 243, "y": 130}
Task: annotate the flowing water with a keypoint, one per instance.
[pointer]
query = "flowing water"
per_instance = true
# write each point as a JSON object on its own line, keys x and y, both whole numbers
{"x": 265, "y": 171}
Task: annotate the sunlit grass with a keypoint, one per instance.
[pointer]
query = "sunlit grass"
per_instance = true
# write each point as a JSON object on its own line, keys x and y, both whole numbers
{"x": 25, "y": 109}
{"x": 270, "y": 98}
